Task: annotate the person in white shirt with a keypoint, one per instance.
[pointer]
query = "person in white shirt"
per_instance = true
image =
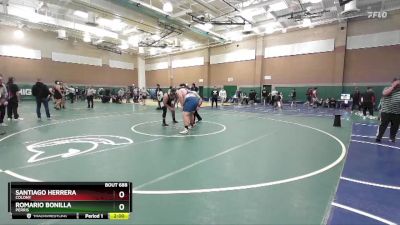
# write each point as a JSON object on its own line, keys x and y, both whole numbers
{"x": 121, "y": 94}
{"x": 222, "y": 95}
{"x": 143, "y": 95}
{"x": 90, "y": 92}
{"x": 71, "y": 94}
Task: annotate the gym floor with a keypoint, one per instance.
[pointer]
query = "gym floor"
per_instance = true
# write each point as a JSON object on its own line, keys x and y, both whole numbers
{"x": 240, "y": 165}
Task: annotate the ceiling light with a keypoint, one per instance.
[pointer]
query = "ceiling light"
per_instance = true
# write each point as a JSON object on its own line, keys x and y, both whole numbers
{"x": 141, "y": 50}
{"x": 208, "y": 26}
{"x": 155, "y": 37}
{"x": 86, "y": 38}
{"x": 134, "y": 41}
{"x": 81, "y": 14}
{"x": 128, "y": 31}
{"x": 167, "y": 7}
{"x": 19, "y": 34}
{"x": 153, "y": 51}
{"x": 115, "y": 24}
{"x": 124, "y": 45}
{"x": 234, "y": 36}
{"x": 187, "y": 44}
{"x": 306, "y": 22}
{"x": 247, "y": 27}
{"x": 98, "y": 41}
{"x": 315, "y": 1}
{"x": 168, "y": 49}
{"x": 278, "y": 6}
{"x": 269, "y": 30}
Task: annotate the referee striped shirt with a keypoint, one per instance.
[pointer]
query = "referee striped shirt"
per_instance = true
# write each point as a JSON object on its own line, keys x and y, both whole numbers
{"x": 391, "y": 103}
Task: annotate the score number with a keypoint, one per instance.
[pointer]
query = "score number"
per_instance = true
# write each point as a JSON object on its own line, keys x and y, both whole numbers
{"x": 121, "y": 195}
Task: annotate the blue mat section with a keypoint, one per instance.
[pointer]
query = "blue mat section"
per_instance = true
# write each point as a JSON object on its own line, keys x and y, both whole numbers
{"x": 377, "y": 165}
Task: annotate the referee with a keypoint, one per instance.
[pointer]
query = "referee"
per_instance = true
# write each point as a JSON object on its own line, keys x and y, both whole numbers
{"x": 390, "y": 112}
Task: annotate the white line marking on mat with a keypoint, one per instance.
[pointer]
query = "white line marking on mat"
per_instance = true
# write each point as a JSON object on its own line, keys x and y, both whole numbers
{"x": 133, "y": 128}
{"x": 244, "y": 187}
{"x": 368, "y": 125}
{"x": 357, "y": 135}
{"x": 20, "y": 176}
{"x": 199, "y": 162}
{"x": 377, "y": 218}
{"x": 61, "y": 122}
{"x": 370, "y": 183}
{"x": 372, "y": 143}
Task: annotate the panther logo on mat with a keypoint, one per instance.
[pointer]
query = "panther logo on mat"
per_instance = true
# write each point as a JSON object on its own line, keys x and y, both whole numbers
{"x": 72, "y": 146}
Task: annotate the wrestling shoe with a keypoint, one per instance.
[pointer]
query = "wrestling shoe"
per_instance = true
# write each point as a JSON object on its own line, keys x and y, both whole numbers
{"x": 185, "y": 131}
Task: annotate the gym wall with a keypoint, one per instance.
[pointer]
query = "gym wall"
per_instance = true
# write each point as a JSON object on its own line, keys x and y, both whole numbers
{"x": 173, "y": 70}
{"x": 377, "y": 60}
{"x": 26, "y": 71}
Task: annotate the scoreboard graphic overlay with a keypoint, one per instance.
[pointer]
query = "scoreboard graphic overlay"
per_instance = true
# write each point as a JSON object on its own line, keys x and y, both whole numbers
{"x": 70, "y": 200}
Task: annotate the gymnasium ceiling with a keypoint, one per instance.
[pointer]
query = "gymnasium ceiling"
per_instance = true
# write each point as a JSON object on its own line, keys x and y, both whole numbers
{"x": 143, "y": 27}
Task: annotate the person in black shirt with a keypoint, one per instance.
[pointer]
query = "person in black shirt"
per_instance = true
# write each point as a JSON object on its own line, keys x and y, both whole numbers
{"x": 196, "y": 113}
{"x": 168, "y": 102}
{"x": 294, "y": 96}
{"x": 194, "y": 88}
{"x": 214, "y": 97}
{"x": 264, "y": 94}
{"x": 356, "y": 99}
{"x": 368, "y": 101}
{"x": 252, "y": 97}
{"x": 42, "y": 95}
{"x": 13, "y": 99}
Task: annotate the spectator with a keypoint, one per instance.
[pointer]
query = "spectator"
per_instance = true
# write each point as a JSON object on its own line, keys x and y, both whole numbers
{"x": 252, "y": 97}
{"x": 57, "y": 95}
{"x": 13, "y": 99}
{"x": 314, "y": 97}
{"x": 293, "y": 95}
{"x": 390, "y": 112}
{"x": 158, "y": 94}
{"x": 42, "y": 95}
{"x": 237, "y": 96}
{"x": 90, "y": 92}
{"x": 143, "y": 95}
{"x": 356, "y": 96}
{"x": 136, "y": 93}
{"x": 332, "y": 103}
{"x": 3, "y": 101}
{"x": 214, "y": 97}
{"x": 222, "y": 95}
{"x": 264, "y": 94}
{"x": 71, "y": 93}
{"x": 244, "y": 98}
{"x": 194, "y": 88}
{"x": 368, "y": 101}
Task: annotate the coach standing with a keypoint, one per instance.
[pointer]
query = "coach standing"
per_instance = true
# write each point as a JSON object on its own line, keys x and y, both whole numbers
{"x": 13, "y": 99}
{"x": 42, "y": 95}
{"x": 89, "y": 96}
{"x": 368, "y": 101}
{"x": 214, "y": 97}
{"x": 390, "y": 112}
